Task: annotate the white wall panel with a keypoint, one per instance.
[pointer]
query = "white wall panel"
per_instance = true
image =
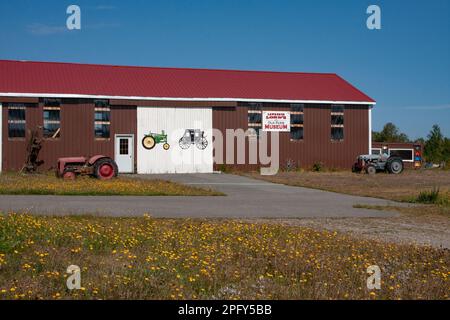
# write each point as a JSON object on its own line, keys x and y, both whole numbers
{"x": 174, "y": 121}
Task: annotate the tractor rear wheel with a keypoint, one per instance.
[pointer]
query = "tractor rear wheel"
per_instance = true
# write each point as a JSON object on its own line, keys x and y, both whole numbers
{"x": 148, "y": 142}
{"x": 394, "y": 166}
{"x": 370, "y": 169}
{"x": 105, "y": 169}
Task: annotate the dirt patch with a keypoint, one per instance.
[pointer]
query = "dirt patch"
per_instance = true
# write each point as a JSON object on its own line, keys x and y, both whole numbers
{"x": 401, "y": 187}
{"x": 419, "y": 224}
{"x": 423, "y": 225}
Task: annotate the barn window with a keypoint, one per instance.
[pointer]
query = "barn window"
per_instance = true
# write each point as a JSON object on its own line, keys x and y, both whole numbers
{"x": 255, "y": 118}
{"x": 376, "y": 151}
{"x": 407, "y": 155}
{"x": 123, "y": 146}
{"x": 52, "y": 118}
{"x": 102, "y": 119}
{"x": 297, "y": 113}
{"x": 16, "y": 120}
{"x": 337, "y": 122}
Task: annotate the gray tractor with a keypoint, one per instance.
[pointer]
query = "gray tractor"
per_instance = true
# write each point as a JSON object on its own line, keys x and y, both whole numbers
{"x": 373, "y": 163}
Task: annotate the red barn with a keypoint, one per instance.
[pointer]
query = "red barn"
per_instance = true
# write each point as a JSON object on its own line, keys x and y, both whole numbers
{"x": 85, "y": 109}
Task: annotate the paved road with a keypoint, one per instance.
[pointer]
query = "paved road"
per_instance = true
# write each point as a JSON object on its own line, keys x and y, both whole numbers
{"x": 245, "y": 198}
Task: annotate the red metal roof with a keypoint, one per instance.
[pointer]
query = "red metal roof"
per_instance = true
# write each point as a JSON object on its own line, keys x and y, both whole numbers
{"x": 23, "y": 77}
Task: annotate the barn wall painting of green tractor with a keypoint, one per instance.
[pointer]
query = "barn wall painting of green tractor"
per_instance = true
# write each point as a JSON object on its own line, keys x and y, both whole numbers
{"x": 152, "y": 139}
{"x": 190, "y": 137}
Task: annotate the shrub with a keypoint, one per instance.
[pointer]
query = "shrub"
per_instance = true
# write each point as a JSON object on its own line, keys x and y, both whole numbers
{"x": 223, "y": 168}
{"x": 446, "y": 165}
{"x": 429, "y": 196}
{"x": 317, "y": 167}
{"x": 291, "y": 165}
{"x": 226, "y": 168}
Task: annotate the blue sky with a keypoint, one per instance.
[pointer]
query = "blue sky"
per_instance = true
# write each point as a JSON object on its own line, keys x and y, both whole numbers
{"x": 405, "y": 66}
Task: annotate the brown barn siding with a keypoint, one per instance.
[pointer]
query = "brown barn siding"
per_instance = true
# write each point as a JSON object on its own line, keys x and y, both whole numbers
{"x": 13, "y": 150}
{"x": 168, "y": 103}
{"x": 316, "y": 145}
{"x": 77, "y": 133}
{"x": 19, "y": 100}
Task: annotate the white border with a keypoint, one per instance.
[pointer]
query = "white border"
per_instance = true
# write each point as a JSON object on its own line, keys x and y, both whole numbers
{"x": 287, "y": 121}
{"x": 1, "y": 137}
{"x": 403, "y": 149}
{"x": 87, "y": 96}
{"x": 370, "y": 130}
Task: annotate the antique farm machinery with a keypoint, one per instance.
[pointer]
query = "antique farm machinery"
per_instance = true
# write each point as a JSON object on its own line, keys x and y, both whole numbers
{"x": 99, "y": 166}
{"x": 34, "y": 146}
{"x": 152, "y": 139}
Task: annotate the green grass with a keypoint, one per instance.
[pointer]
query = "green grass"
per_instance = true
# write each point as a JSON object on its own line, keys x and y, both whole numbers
{"x": 369, "y": 207}
{"x": 428, "y": 196}
{"x": 433, "y": 196}
{"x": 42, "y": 184}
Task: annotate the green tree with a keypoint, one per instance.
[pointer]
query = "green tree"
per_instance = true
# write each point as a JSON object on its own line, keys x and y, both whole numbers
{"x": 446, "y": 150}
{"x": 390, "y": 133}
{"x": 420, "y": 140}
{"x": 435, "y": 145}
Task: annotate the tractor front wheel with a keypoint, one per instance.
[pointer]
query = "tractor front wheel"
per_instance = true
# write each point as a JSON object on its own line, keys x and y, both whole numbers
{"x": 105, "y": 169}
{"x": 69, "y": 174}
{"x": 370, "y": 169}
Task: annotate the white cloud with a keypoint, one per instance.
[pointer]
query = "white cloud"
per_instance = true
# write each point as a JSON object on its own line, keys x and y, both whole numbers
{"x": 102, "y": 26}
{"x": 429, "y": 108}
{"x": 39, "y": 29}
{"x": 43, "y": 29}
{"x": 104, "y": 7}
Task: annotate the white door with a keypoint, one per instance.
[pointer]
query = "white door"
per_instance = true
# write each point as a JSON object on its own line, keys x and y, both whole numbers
{"x": 124, "y": 152}
{"x": 171, "y": 123}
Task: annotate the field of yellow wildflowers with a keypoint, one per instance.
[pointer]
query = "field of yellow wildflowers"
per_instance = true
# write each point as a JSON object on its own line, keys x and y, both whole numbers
{"x": 12, "y": 183}
{"x": 147, "y": 258}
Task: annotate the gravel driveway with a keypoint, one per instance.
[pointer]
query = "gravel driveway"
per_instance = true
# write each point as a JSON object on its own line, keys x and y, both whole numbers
{"x": 246, "y": 198}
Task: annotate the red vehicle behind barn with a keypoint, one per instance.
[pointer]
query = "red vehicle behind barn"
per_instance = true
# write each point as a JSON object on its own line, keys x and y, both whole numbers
{"x": 411, "y": 153}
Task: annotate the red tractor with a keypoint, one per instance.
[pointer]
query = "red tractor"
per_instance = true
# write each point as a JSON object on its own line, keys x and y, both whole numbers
{"x": 100, "y": 167}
